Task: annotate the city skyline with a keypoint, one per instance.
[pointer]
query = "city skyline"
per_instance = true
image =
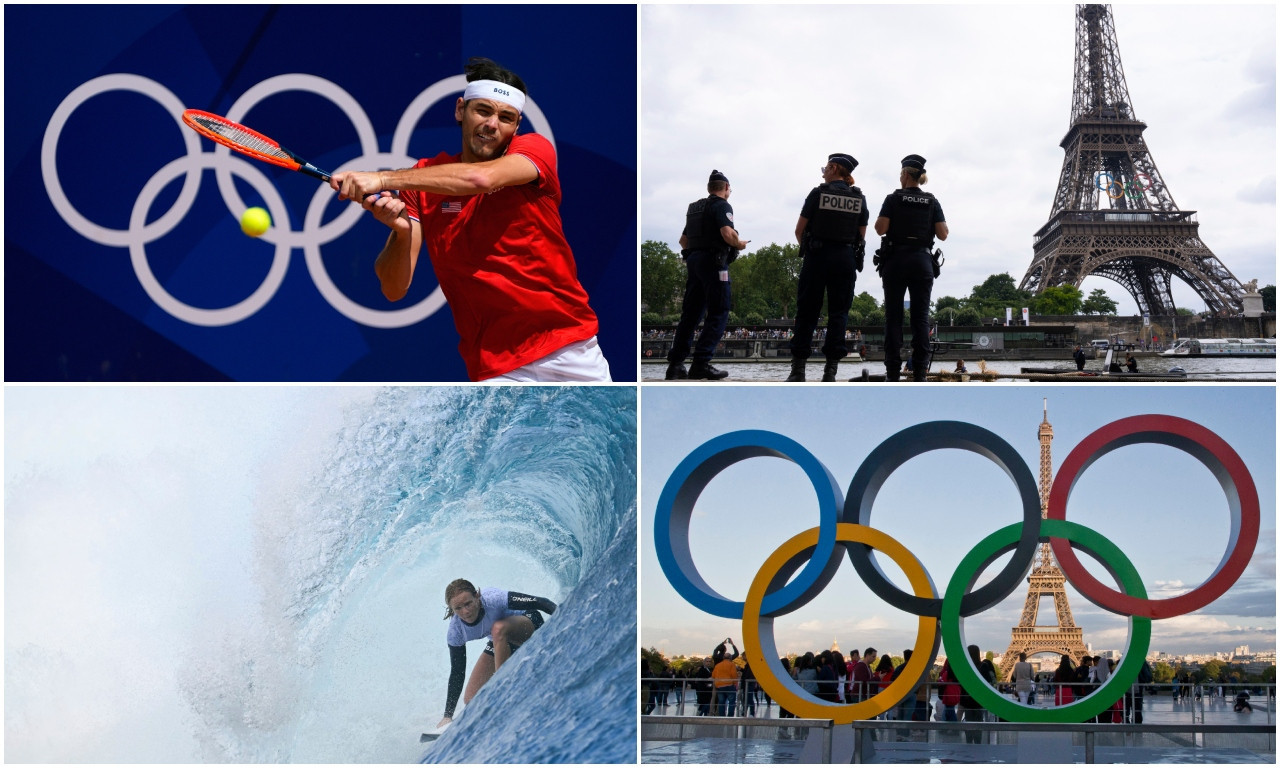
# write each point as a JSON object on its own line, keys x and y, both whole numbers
{"x": 1267, "y": 655}
{"x": 1165, "y": 490}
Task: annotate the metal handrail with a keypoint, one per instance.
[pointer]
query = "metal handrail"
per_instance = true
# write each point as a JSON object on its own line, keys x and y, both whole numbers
{"x": 863, "y": 744}
{"x": 932, "y": 725}
{"x": 1043, "y": 689}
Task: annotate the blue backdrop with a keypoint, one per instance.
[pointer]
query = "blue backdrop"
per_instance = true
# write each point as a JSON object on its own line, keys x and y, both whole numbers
{"x": 123, "y": 254}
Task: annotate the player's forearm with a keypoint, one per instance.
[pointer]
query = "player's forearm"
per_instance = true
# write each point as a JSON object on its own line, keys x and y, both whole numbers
{"x": 395, "y": 265}
{"x": 447, "y": 179}
{"x": 457, "y": 671}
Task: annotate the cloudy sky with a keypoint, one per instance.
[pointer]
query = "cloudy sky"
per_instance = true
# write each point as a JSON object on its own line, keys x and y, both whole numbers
{"x": 1160, "y": 506}
{"x": 764, "y": 93}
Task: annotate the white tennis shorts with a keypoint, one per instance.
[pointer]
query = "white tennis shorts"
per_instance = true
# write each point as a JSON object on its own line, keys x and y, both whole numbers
{"x": 579, "y": 361}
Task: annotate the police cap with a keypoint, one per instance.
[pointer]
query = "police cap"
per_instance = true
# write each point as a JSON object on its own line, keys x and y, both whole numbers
{"x": 913, "y": 161}
{"x": 844, "y": 160}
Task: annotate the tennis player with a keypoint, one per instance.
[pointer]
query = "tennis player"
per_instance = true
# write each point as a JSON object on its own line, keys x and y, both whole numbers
{"x": 490, "y": 219}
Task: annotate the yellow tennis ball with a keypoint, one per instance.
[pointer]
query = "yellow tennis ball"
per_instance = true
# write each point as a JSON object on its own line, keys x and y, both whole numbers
{"x": 255, "y": 221}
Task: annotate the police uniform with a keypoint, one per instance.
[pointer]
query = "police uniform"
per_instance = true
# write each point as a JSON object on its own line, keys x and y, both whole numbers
{"x": 906, "y": 267}
{"x": 836, "y": 213}
{"x": 706, "y": 290}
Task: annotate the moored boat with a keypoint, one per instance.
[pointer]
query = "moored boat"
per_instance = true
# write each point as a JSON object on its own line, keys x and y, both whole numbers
{"x": 1222, "y": 348}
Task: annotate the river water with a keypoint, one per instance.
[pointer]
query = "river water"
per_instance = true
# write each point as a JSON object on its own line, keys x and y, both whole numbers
{"x": 1203, "y": 369}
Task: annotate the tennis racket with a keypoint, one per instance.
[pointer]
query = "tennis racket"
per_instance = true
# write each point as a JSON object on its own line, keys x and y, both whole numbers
{"x": 248, "y": 142}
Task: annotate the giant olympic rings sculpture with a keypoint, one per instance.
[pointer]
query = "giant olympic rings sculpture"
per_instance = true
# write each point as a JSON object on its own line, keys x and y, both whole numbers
{"x": 313, "y": 234}
{"x": 844, "y": 529}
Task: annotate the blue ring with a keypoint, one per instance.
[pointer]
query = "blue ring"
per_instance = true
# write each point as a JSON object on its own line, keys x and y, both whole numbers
{"x": 686, "y": 483}
{"x": 909, "y": 443}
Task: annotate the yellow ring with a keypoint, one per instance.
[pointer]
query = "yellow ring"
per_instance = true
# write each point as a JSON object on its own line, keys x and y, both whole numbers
{"x": 788, "y": 693}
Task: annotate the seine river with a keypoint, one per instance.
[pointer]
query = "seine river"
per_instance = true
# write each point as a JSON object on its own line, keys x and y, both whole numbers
{"x": 1202, "y": 369}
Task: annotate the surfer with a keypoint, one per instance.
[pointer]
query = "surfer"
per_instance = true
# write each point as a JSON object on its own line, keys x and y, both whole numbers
{"x": 507, "y": 618}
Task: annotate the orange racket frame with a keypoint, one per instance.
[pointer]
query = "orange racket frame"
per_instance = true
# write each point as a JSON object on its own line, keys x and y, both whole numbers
{"x": 248, "y": 142}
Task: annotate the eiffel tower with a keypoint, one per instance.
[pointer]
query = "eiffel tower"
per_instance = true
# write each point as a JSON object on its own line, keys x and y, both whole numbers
{"x": 1046, "y": 579}
{"x": 1113, "y": 215}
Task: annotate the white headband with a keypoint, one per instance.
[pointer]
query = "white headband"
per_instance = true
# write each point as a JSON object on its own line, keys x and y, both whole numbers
{"x": 492, "y": 89}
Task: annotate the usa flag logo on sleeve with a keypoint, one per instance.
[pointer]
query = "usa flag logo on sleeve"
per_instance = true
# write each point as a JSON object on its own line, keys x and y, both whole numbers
{"x": 451, "y": 206}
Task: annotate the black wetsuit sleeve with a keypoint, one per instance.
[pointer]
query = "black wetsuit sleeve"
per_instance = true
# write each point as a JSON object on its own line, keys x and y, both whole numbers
{"x": 457, "y": 671}
{"x": 517, "y": 601}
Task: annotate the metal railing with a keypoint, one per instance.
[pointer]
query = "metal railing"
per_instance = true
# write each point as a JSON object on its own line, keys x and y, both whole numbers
{"x": 1089, "y": 733}
{"x": 749, "y": 696}
{"x": 1197, "y": 696}
{"x": 684, "y": 692}
{"x": 662, "y": 690}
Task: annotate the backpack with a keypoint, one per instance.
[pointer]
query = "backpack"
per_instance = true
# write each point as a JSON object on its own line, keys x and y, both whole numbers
{"x": 950, "y": 693}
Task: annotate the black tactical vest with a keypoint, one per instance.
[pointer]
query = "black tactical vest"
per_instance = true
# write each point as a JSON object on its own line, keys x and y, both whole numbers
{"x": 912, "y": 219}
{"x": 837, "y": 217}
{"x": 700, "y": 226}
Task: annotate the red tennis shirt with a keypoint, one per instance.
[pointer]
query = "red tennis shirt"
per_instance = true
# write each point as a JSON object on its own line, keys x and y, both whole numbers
{"x": 504, "y": 265}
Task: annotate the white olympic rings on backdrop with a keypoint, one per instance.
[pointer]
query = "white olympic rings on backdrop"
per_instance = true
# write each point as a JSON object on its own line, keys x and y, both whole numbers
{"x": 138, "y": 255}
{"x": 224, "y": 164}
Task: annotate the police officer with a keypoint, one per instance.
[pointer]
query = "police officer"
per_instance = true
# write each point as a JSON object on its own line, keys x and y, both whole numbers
{"x": 909, "y": 221}
{"x": 832, "y": 232}
{"x": 709, "y": 243}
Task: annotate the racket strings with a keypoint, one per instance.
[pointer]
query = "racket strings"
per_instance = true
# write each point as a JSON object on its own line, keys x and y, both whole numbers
{"x": 241, "y": 137}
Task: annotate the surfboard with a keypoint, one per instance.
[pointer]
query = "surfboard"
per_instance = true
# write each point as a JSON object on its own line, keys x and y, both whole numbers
{"x": 432, "y": 736}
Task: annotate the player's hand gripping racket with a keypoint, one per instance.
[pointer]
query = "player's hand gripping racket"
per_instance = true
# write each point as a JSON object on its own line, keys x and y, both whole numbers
{"x": 249, "y": 142}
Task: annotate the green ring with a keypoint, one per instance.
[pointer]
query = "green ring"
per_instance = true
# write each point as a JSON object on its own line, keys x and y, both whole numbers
{"x": 967, "y": 573}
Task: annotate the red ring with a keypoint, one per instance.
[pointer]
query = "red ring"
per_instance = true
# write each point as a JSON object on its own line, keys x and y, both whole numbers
{"x": 1214, "y": 453}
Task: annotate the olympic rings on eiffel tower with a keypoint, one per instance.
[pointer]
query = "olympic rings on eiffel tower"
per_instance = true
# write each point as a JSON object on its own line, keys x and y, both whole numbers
{"x": 1115, "y": 190}
{"x": 845, "y": 527}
